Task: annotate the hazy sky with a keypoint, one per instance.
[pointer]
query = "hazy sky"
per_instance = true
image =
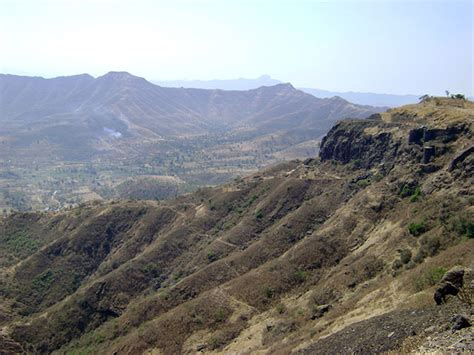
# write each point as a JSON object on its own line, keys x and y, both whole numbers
{"x": 378, "y": 46}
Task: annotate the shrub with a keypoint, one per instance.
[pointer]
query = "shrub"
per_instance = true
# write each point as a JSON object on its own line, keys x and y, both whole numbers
{"x": 430, "y": 278}
{"x": 151, "y": 270}
{"x": 414, "y": 192}
{"x": 419, "y": 257}
{"x": 357, "y": 163}
{"x": 425, "y": 98}
{"x": 463, "y": 227}
{"x": 211, "y": 256}
{"x": 43, "y": 281}
{"x": 216, "y": 342}
{"x": 300, "y": 276}
{"x": 417, "y": 229}
{"x": 280, "y": 308}
{"x": 406, "y": 191}
{"x": 416, "y": 195}
{"x": 176, "y": 276}
{"x": 259, "y": 214}
{"x": 410, "y": 265}
{"x": 459, "y": 97}
{"x": 377, "y": 176}
{"x": 20, "y": 243}
{"x": 405, "y": 255}
{"x": 269, "y": 292}
{"x": 433, "y": 245}
{"x": 397, "y": 264}
{"x": 250, "y": 200}
{"x": 220, "y": 315}
{"x": 363, "y": 183}
{"x": 434, "y": 275}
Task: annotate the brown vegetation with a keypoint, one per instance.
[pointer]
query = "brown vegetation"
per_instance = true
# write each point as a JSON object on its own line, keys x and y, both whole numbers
{"x": 299, "y": 257}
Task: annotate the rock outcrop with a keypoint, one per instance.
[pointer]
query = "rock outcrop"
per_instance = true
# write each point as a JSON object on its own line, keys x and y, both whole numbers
{"x": 450, "y": 284}
{"x": 460, "y": 322}
{"x": 352, "y": 141}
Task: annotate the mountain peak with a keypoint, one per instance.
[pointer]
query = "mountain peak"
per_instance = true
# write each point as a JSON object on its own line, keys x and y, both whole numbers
{"x": 117, "y": 74}
{"x": 278, "y": 87}
{"x": 286, "y": 85}
{"x": 337, "y": 98}
{"x": 120, "y": 75}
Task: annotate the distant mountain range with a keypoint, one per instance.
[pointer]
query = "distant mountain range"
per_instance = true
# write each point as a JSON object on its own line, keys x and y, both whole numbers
{"x": 122, "y": 105}
{"x": 361, "y": 98}
{"x": 231, "y": 84}
{"x": 367, "y": 98}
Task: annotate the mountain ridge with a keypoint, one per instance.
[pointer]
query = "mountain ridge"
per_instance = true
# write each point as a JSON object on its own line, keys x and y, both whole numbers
{"x": 202, "y": 136}
{"x": 131, "y": 83}
{"x": 361, "y": 98}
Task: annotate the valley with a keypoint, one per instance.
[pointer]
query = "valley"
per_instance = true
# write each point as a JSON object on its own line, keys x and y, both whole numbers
{"x": 69, "y": 140}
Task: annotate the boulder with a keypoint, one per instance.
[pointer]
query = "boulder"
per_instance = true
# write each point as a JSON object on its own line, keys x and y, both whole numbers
{"x": 450, "y": 284}
{"x": 460, "y": 322}
{"x": 319, "y": 311}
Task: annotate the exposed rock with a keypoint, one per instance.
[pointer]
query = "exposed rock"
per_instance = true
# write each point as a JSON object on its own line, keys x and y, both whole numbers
{"x": 450, "y": 284}
{"x": 423, "y": 134}
{"x": 375, "y": 116}
{"x": 446, "y": 135}
{"x": 459, "y": 322}
{"x": 319, "y": 311}
{"x": 309, "y": 161}
{"x": 461, "y": 157}
{"x": 348, "y": 141}
{"x": 429, "y": 168}
{"x": 415, "y": 136}
{"x": 428, "y": 153}
{"x": 201, "y": 347}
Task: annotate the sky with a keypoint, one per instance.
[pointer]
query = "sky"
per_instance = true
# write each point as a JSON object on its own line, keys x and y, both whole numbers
{"x": 398, "y": 46}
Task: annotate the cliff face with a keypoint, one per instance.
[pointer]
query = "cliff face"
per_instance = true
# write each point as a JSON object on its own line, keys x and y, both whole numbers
{"x": 314, "y": 256}
{"x": 393, "y": 137}
{"x": 368, "y": 143}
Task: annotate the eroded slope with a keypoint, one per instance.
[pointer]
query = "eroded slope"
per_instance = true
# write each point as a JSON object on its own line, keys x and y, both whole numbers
{"x": 279, "y": 261}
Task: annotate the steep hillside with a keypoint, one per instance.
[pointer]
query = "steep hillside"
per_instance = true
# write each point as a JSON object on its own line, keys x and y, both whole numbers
{"x": 336, "y": 254}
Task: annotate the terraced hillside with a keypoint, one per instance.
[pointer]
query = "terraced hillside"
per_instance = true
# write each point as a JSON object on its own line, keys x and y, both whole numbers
{"x": 340, "y": 253}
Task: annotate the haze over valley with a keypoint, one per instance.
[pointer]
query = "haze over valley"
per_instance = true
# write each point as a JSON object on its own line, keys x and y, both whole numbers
{"x": 72, "y": 139}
